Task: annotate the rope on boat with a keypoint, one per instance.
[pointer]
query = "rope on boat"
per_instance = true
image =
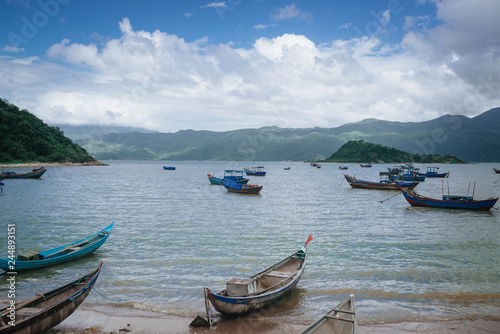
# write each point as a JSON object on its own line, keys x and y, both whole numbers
{"x": 114, "y": 301}
{"x": 466, "y": 327}
{"x": 382, "y": 201}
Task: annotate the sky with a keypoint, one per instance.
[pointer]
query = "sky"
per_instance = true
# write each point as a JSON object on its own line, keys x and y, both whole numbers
{"x": 170, "y": 65}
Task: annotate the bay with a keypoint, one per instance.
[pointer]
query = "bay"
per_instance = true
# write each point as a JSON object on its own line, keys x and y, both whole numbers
{"x": 175, "y": 234}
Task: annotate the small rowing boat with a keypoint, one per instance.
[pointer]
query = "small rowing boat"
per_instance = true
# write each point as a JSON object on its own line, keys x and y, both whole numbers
{"x": 339, "y": 320}
{"x": 243, "y": 295}
{"x": 44, "y": 311}
{"x": 33, "y": 260}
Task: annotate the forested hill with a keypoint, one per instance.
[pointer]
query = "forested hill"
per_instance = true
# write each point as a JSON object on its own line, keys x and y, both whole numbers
{"x": 361, "y": 151}
{"x": 26, "y": 138}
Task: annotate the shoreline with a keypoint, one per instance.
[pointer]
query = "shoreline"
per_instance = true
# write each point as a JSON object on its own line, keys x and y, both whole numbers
{"x": 52, "y": 164}
{"x": 113, "y": 321}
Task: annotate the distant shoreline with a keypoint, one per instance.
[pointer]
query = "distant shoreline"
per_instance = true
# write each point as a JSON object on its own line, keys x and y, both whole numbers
{"x": 54, "y": 164}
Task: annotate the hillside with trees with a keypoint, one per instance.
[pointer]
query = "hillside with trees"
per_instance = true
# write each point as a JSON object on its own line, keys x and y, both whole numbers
{"x": 361, "y": 151}
{"x": 26, "y": 138}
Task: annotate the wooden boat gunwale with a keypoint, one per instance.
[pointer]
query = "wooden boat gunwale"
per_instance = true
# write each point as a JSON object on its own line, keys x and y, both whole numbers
{"x": 339, "y": 309}
{"x": 34, "y": 320}
{"x": 61, "y": 254}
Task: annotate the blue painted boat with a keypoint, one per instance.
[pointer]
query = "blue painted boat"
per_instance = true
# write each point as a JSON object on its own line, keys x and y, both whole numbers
{"x": 230, "y": 174}
{"x": 449, "y": 201}
{"x": 384, "y": 184}
{"x": 33, "y": 260}
{"x": 243, "y": 295}
{"x": 34, "y": 174}
{"x": 433, "y": 172}
{"x": 255, "y": 171}
{"x": 249, "y": 189}
{"x": 168, "y": 168}
{"x": 46, "y": 310}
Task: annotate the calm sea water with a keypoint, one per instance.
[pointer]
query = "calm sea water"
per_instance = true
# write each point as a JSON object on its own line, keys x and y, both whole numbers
{"x": 175, "y": 233}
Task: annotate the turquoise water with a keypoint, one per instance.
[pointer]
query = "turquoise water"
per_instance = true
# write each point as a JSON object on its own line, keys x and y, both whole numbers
{"x": 175, "y": 233}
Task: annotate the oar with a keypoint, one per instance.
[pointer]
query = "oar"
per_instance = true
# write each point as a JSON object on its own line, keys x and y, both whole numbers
{"x": 309, "y": 239}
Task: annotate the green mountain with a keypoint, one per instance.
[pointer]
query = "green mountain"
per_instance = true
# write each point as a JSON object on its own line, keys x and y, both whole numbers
{"x": 25, "y": 138}
{"x": 361, "y": 151}
{"x": 469, "y": 139}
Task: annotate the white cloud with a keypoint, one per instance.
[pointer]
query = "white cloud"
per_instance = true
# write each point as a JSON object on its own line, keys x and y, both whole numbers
{"x": 221, "y": 4}
{"x": 162, "y": 82}
{"x": 13, "y": 49}
{"x": 291, "y": 12}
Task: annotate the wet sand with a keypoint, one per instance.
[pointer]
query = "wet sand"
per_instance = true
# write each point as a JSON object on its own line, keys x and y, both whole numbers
{"x": 114, "y": 321}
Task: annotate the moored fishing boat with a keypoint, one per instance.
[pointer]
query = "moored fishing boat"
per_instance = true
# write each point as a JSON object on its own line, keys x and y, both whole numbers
{"x": 168, "y": 167}
{"x": 44, "y": 311}
{"x": 449, "y": 201}
{"x": 433, "y": 172}
{"x": 496, "y": 170}
{"x": 34, "y": 174}
{"x": 243, "y": 295}
{"x": 382, "y": 185}
{"x": 33, "y": 260}
{"x": 365, "y": 165}
{"x": 233, "y": 187}
{"x": 255, "y": 171}
{"x": 339, "y": 320}
{"x": 233, "y": 174}
{"x": 343, "y": 167}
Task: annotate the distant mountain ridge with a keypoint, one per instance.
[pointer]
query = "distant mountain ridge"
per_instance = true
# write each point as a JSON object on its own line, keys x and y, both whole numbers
{"x": 470, "y": 139}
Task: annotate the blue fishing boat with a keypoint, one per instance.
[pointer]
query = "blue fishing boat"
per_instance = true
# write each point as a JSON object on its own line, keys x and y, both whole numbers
{"x": 34, "y": 260}
{"x": 46, "y": 310}
{"x": 433, "y": 172}
{"x": 384, "y": 184}
{"x": 365, "y": 165}
{"x": 243, "y": 295}
{"x": 34, "y": 174}
{"x": 168, "y": 168}
{"x": 449, "y": 201}
{"x": 230, "y": 174}
{"x": 255, "y": 171}
{"x": 233, "y": 187}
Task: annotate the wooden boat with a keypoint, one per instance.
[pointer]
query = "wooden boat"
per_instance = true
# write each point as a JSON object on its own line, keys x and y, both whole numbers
{"x": 168, "y": 168}
{"x": 496, "y": 170}
{"x": 243, "y": 295}
{"x": 44, "y": 311}
{"x": 339, "y": 320}
{"x": 234, "y": 187}
{"x": 287, "y": 168}
{"x": 233, "y": 174}
{"x": 449, "y": 201}
{"x": 382, "y": 185}
{"x": 433, "y": 172}
{"x": 34, "y": 174}
{"x": 255, "y": 171}
{"x": 343, "y": 167}
{"x": 33, "y": 260}
{"x": 365, "y": 165}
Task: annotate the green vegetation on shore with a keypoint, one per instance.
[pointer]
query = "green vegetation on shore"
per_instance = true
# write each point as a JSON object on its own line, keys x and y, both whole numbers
{"x": 26, "y": 138}
{"x": 361, "y": 151}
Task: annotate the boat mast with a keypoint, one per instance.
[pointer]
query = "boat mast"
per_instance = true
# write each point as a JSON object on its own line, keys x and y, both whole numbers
{"x": 474, "y": 189}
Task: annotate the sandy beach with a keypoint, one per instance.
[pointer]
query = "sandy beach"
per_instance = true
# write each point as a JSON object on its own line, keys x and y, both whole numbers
{"x": 113, "y": 321}
{"x": 52, "y": 164}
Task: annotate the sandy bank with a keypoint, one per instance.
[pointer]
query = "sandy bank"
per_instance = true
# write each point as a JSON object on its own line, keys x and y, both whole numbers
{"x": 53, "y": 164}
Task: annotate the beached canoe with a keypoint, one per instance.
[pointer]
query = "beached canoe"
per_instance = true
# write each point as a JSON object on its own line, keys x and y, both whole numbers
{"x": 34, "y": 174}
{"x": 339, "y": 320}
{"x": 33, "y": 260}
{"x": 44, "y": 311}
{"x": 449, "y": 201}
{"x": 243, "y": 295}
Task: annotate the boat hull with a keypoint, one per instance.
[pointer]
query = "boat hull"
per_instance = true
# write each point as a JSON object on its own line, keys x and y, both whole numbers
{"x": 232, "y": 306}
{"x": 361, "y": 184}
{"x": 339, "y": 320}
{"x": 422, "y": 201}
{"x": 35, "y": 174}
{"x": 50, "y": 309}
{"x": 246, "y": 189}
{"x": 56, "y": 255}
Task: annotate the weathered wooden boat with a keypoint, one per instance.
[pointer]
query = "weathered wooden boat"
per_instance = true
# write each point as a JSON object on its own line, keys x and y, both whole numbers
{"x": 365, "y": 165}
{"x": 34, "y": 174}
{"x": 339, "y": 320}
{"x": 234, "y": 187}
{"x": 343, "y": 167}
{"x": 44, "y": 311}
{"x": 255, "y": 171}
{"x": 449, "y": 201}
{"x": 233, "y": 174}
{"x": 382, "y": 185}
{"x": 243, "y": 295}
{"x": 433, "y": 172}
{"x": 496, "y": 170}
{"x": 168, "y": 167}
{"x": 33, "y": 260}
